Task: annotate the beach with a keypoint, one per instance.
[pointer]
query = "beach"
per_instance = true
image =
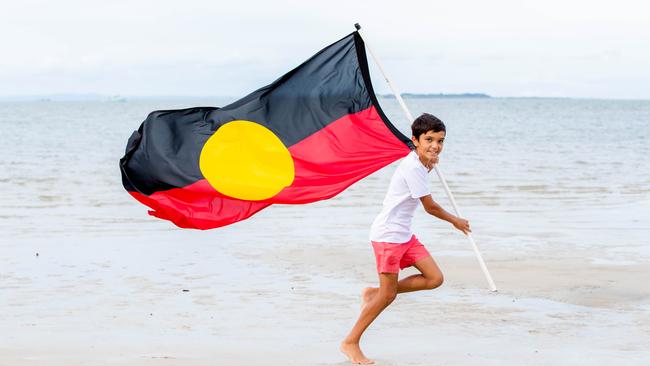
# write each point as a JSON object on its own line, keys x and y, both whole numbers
{"x": 556, "y": 190}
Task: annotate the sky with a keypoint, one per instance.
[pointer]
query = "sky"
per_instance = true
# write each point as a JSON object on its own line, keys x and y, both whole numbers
{"x": 551, "y": 48}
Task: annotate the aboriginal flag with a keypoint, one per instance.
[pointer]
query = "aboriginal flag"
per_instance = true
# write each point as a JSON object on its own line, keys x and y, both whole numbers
{"x": 305, "y": 137}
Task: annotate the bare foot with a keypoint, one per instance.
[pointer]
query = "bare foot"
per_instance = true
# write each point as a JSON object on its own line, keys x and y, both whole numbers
{"x": 353, "y": 352}
{"x": 366, "y": 295}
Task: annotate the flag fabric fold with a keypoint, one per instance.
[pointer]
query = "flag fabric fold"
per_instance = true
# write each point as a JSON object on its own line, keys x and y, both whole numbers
{"x": 303, "y": 138}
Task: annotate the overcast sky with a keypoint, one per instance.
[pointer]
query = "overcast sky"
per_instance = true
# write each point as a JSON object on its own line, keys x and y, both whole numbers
{"x": 229, "y": 48}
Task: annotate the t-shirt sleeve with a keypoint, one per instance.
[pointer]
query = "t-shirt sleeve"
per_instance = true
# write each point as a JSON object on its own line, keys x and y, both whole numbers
{"x": 416, "y": 180}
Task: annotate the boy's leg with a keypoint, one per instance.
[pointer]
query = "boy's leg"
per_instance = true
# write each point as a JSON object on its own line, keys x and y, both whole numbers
{"x": 384, "y": 296}
{"x": 429, "y": 278}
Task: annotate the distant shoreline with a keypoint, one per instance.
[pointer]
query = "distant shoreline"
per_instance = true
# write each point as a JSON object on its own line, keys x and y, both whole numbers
{"x": 438, "y": 95}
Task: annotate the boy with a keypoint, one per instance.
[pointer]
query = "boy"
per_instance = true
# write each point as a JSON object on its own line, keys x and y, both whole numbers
{"x": 393, "y": 242}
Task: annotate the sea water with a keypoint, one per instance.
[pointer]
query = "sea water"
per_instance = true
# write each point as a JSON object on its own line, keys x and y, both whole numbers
{"x": 531, "y": 174}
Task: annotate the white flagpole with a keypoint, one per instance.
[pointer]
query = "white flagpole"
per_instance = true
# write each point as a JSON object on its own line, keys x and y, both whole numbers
{"x": 409, "y": 116}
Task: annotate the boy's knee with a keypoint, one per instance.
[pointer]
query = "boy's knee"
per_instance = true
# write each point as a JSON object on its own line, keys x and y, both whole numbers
{"x": 388, "y": 296}
{"x": 435, "y": 281}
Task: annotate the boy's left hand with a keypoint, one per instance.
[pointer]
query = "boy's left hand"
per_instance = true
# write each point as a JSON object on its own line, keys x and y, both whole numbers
{"x": 462, "y": 225}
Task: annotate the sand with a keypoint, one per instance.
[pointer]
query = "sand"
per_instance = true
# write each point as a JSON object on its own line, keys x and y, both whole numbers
{"x": 182, "y": 298}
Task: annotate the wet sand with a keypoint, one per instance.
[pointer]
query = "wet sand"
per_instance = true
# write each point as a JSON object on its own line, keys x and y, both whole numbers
{"x": 184, "y": 299}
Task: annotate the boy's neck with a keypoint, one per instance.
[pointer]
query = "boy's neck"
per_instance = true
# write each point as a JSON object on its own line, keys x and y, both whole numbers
{"x": 424, "y": 161}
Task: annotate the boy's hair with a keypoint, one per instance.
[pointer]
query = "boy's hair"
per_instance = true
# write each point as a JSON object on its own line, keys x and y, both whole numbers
{"x": 425, "y": 123}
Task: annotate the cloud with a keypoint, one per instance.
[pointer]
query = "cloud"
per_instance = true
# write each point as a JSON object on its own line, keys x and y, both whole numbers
{"x": 195, "y": 47}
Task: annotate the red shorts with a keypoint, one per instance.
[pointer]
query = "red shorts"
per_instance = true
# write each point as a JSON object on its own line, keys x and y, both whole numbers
{"x": 391, "y": 257}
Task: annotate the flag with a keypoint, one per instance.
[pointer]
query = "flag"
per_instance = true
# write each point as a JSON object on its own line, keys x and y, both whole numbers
{"x": 305, "y": 137}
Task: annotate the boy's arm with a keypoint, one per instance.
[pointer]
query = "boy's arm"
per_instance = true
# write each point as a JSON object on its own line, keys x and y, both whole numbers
{"x": 432, "y": 208}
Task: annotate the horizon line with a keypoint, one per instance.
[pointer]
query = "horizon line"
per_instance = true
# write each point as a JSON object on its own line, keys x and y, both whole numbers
{"x": 59, "y": 97}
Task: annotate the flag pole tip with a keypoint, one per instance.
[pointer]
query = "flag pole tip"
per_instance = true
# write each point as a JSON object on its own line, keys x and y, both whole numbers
{"x": 357, "y": 26}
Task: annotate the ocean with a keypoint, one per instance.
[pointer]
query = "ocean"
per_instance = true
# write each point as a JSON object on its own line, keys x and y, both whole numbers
{"x": 527, "y": 172}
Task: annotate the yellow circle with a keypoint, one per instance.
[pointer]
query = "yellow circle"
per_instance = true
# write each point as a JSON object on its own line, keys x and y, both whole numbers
{"x": 246, "y": 160}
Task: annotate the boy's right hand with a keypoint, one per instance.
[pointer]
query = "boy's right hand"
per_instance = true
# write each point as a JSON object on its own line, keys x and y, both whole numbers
{"x": 462, "y": 225}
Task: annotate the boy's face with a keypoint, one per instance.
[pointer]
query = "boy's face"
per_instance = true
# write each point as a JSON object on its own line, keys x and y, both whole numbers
{"x": 429, "y": 144}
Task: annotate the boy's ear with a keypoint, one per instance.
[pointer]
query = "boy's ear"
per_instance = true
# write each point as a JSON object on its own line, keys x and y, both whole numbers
{"x": 415, "y": 141}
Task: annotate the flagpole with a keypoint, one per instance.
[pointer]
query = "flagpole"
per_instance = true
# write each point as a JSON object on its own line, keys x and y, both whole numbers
{"x": 409, "y": 116}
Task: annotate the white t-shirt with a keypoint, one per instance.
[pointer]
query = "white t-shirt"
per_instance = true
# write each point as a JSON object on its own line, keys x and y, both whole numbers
{"x": 409, "y": 183}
